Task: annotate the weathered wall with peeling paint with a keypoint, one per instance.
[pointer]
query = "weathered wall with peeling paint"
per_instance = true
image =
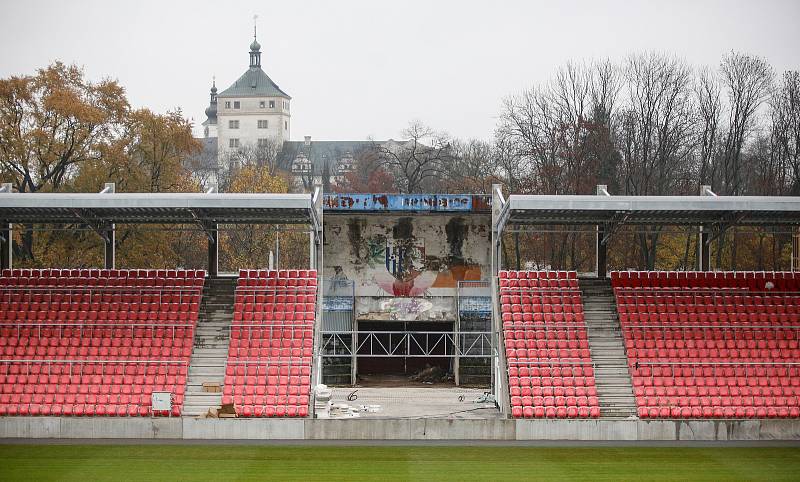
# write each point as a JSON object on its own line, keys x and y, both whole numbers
{"x": 406, "y": 267}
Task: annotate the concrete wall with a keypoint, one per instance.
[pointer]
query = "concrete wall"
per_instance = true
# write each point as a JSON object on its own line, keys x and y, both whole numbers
{"x": 397, "y": 429}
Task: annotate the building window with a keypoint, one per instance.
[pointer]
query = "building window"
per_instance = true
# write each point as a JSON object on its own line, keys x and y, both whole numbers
{"x": 237, "y": 104}
{"x": 272, "y": 104}
{"x": 262, "y": 104}
{"x": 233, "y": 143}
{"x": 233, "y": 124}
{"x": 286, "y": 125}
{"x": 263, "y": 142}
{"x": 227, "y": 104}
{"x": 263, "y": 124}
{"x": 286, "y": 105}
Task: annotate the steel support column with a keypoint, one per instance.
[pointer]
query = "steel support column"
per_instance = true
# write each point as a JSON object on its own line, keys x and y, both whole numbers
{"x": 601, "y": 259}
{"x": 703, "y": 250}
{"x": 499, "y": 375}
{"x": 110, "y": 245}
{"x": 6, "y": 242}
{"x": 213, "y": 249}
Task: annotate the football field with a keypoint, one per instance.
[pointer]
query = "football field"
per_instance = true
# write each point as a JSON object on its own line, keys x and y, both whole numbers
{"x": 388, "y": 463}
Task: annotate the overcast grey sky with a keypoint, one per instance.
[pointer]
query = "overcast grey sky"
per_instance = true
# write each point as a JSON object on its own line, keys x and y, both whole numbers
{"x": 365, "y": 68}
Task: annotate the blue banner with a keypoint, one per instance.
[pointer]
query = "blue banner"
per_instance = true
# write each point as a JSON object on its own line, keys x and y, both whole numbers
{"x": 405, "y": 202}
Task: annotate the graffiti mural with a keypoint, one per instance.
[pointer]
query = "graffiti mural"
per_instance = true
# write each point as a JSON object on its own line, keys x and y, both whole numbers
{"x": 407, "y": 256}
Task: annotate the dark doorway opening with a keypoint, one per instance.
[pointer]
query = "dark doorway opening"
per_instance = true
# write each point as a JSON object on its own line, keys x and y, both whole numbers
{"x": 400, "y": 364}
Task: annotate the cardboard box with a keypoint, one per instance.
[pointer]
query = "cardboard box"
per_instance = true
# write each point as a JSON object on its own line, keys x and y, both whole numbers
{"x": 212, "y": 387}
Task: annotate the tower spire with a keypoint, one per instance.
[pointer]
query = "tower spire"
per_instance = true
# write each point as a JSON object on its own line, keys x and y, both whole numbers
{"x": 255, "y": 48}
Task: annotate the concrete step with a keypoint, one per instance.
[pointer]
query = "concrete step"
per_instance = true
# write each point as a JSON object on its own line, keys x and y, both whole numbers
{"x": 211, "y": 344}
{"x": 607, "y": 347}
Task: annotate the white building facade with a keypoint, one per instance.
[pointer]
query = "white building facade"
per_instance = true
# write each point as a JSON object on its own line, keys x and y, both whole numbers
{"x": 251, "y": 113}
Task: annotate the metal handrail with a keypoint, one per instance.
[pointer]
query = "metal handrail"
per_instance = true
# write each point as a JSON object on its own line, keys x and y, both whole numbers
{"x": 138, "y": 361}
{"x": 718, "y": 363}
{"x": 561, "y": 362}
{"x": 727, "y": 326}
{"x": 89, "y": 325}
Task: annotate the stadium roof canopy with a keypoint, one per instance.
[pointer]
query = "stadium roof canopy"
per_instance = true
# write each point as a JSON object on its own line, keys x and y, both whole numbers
{"x": 157, "y": 208}
{"x": 650, "y": 210}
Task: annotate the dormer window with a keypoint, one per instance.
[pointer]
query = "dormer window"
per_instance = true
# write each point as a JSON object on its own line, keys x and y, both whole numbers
{"x": 301, "y": 164}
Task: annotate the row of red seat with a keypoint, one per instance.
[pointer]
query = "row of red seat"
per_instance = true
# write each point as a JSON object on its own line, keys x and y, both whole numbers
{"x": 33, "y": 285}
{"x": 298, "y": 318}
{"x": 545, "y": 308}
{"x": 719, "y": 412}
{"x": 705, "y": 386}
{"x": 274, "y": 307}
{"x": 542, "y": 274}
{"x": 275, "y": 274}
{"x": 769, "y": 284}
{"x": 88, "y": 410}
{"x": 543, "y": 286}
{"x": 100, "y": 307}
{"x": 67, "y": 330}
{"x": 696, "y": 299}
{"x": 93, "y": 353}
{"x": 95, "y": 341}
{"x": 714, "y": 338}
{"x": 529, "y": 319}
{"x": 553, "y": 381}
{"x": 102, "y": 273}
{"x": 285, "y": 296}
{"x": 555, "y": 412}
{"x": 86, "y": 298}
{"x": 553, "y": 391}
{"x": 147, "y": 385}
{"x": 762, "y": 370}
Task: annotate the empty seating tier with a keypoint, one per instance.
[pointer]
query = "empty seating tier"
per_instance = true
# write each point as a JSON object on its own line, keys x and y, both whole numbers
{"x": 712, "y": 344}
{"x": 550, "y": 370}
{"x": 268, "y": 373}
{"x": 95, "y": 342}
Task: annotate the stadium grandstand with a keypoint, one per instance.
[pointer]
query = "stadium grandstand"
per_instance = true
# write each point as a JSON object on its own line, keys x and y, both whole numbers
{"x": 407, "y": 312}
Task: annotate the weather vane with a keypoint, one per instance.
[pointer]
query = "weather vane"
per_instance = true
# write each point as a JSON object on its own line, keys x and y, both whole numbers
{"x": 255, "y": 17}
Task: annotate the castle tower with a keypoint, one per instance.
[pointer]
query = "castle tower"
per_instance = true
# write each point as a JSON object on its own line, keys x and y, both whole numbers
{"x": 253, "y": 111}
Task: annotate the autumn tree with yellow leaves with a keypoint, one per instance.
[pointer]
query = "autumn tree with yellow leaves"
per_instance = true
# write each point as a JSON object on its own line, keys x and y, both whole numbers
{"x": 62, "y": 132}
{"x": 249, "y": 246}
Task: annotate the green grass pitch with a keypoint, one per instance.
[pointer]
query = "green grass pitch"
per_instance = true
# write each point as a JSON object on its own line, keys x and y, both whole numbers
{"x": 387, "y": 463}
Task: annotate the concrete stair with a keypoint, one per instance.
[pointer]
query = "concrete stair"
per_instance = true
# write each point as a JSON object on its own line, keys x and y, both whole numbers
{"x": 613, "y": 380}
{"x": 211, "y": 342}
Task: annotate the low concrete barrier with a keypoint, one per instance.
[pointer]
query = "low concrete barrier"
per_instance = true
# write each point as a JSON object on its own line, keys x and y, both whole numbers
{"x": 396, "y": 429}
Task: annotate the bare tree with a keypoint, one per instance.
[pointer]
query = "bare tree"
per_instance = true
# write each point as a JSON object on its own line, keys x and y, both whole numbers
{"x": 748, "y": 81}
{"x": 473, "y": 169}
{"x": 656, "y": 133}
{"x": 709, "y": 112}
{"x": 419, "y": 162}
{"x": 785, "y": 129}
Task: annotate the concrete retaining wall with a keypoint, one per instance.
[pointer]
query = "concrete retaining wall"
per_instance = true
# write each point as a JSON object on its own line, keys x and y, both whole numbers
{"x": 396, "y": 429}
